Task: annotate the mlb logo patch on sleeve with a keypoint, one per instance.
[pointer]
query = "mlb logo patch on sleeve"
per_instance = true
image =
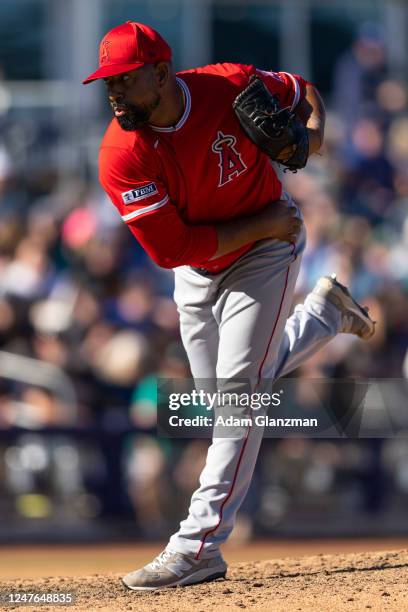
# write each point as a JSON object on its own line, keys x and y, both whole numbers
{"x": 139, "y": 193}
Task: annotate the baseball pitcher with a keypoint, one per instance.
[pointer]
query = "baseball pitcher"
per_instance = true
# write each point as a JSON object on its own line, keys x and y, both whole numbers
{"x": 189, "y": 160}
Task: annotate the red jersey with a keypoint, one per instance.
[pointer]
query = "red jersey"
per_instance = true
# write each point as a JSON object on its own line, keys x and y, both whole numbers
{"x": 172, "y": 185}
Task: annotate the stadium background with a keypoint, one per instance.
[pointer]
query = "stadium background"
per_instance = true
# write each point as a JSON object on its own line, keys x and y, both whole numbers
{"x": 87, "y": 322}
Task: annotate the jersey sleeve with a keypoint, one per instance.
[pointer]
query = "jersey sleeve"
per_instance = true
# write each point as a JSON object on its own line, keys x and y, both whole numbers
{"x": 135, "y": 188}
{"x": 290, "y": 88}
{"x": 132, "y": 185}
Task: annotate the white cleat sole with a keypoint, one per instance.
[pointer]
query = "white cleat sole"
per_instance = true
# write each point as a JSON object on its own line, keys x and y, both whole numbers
{"x": 203, "y": 575}
{"x": 354, "y": 307}
{"x": 328, "y": 287}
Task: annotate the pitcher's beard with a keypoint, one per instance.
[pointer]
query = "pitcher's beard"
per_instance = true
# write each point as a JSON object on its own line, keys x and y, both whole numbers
{"x": 137, "y": 117}
{"x": 132, "y": 121}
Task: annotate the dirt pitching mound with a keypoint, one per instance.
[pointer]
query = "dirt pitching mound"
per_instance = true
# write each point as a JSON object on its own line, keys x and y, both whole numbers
{"x": 373, "y": 581}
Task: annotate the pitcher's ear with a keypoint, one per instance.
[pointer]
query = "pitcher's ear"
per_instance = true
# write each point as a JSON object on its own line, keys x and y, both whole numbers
{"x": 162, "y": 70}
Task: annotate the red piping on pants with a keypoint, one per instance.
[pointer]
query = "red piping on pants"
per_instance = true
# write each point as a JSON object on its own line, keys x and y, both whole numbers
{"x": 276, "y": 321}
{"x": 241, "y": 454}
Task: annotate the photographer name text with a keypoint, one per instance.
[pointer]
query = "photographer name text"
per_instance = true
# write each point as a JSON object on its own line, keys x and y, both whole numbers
{"x": 259, "y": 420}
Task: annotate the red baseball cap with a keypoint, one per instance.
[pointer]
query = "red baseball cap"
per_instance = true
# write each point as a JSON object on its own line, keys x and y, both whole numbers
{"x": 128, "y": 47}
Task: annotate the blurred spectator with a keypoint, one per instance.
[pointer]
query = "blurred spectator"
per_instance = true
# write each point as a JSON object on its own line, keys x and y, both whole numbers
{"x": 358, "y": 73}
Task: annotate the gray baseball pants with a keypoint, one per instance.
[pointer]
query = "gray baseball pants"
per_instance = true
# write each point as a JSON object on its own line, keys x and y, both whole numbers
{"x": 235, "y": 325}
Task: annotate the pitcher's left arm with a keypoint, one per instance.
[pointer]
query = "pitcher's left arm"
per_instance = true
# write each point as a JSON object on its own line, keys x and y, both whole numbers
{"x": 312, "y": 113}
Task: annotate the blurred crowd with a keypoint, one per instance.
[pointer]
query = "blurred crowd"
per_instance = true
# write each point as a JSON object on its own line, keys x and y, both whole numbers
{"x": 87, "y": 323}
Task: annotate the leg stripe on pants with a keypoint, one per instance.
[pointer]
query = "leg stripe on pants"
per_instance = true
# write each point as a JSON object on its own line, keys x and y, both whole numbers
{"x": 276, "y": 322}
{"x": 241, "y": 454}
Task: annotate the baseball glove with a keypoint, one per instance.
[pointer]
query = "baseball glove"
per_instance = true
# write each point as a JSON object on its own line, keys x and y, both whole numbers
{"x": 270, "y": 127}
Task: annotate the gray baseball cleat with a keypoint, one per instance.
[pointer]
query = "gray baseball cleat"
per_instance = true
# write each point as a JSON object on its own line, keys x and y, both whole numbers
{"x": 354, "y": 318}
{"x": 172, "y": 569}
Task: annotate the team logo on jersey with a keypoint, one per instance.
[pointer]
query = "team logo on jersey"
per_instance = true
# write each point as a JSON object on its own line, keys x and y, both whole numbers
{"x": 229, "y": 160}
{"x": 135, "y": 195}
